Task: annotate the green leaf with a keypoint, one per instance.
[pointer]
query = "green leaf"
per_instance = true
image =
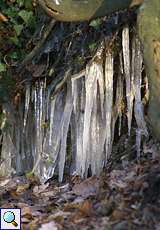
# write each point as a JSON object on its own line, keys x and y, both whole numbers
{"x": 96, "y": 23}
{"x": 18, "y": 29}
{"x": 28, "y": 4}
{"x": 27, "y": 16}
{"x": 11, "y": 11}
{"x": 20, "y": 3}
{"x": 15, "y": 40}
{"x": 2, "y": 67}
{"x": 92, "y": 46}
{"x": 14, "y": 55}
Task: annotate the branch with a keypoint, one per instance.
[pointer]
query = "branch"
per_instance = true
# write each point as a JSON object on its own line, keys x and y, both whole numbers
{"x": 37, "y": 48}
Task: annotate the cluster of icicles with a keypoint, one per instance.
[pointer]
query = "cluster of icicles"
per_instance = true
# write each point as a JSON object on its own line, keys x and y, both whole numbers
{"x": 84, "y": 110}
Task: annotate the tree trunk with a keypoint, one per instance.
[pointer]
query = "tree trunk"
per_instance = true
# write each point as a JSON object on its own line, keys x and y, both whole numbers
{"x": 149, "y": 32}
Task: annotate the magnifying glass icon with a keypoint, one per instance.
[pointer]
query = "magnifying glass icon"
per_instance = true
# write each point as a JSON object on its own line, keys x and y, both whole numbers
{"x": 9, "y": 218}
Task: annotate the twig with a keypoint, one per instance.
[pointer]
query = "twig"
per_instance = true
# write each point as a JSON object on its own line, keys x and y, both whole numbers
{"x": 60, "y": 85}
{"x": 78, "y": 75}
{"x": 37, "y": 48}
{"x": 67, "y": 76}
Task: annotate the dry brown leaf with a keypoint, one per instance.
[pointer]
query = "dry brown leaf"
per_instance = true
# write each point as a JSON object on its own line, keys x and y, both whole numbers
{"x": 22, "y": 205}
{"x": 70, "y": 206}
{"x": 22, "y": 188}
{"x": 117, "y": 179}
{"x": 4, "y": 182}
{"x": 76, "y": 179}
{"x": 76, "y": 218}
{"x": 25, "y": 220}
{"x": 14, "y": 194}
{"x": 39, "y": 189}
{"x": 26, "y": 212}
{"x": 3, "y": 18}
{"x": 118, "y": 215}
{"x": 84, "y": 207}
{"x": 48, "y": 226}
{"x": 87, "y": 188}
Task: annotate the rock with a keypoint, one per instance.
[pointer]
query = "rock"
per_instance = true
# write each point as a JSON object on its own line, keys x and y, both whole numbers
{"x": 84, "y": 10}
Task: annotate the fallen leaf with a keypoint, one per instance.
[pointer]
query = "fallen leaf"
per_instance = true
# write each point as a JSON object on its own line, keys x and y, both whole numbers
{"x": 84, "y": 207}
{"x": 3, "y": 18}
{"x": 106, "y": 208}
{"x": 22, "y": 188}
{"x": 49, "y": 226}
{"x": 117, "y": 179}
{"x": 4, "y": 182}
{"x": 39, "y": 189}
{"x": 26, "y": 212}
{"x": 64, "y": 188}
{"x": 88, "y": 187}
{"x": 118, "y": 214}
{"x": 25, "y": 220}
{"x": 121, "y": 225}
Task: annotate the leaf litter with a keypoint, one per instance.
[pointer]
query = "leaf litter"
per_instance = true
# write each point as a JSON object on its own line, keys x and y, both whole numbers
{"x": 120, "y": 198}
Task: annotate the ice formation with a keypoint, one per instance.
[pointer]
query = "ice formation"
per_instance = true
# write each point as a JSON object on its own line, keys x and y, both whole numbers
{"x": 80, "y": 120}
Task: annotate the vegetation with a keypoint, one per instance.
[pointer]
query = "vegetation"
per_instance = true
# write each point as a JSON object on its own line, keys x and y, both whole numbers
{"x": 17, "y": 24}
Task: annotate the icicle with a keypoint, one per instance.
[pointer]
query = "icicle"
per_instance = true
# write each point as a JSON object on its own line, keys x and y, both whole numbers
{"x": 109, "y": 101}
{"x": 41, "y": 106}
{"x": 120, "y": 102}
{"x": 48, "y": 97}
{"x": 64, "y": 131}
{"x": 79, "y": 120}
{"x": 13, "y": 137}
{"x": 92, "y": 73}
{"x": 91, "y": 89}
{"x": 100, "y": 76}
{"x": 27, "y": 101}
{"x": 120, "y": 94}
{"x": 72, "y": 144}
{"x": 97, "y": 139}
{"x": 127, "y": 72}
{"x": 139, "y": 114}
{"x": 118, "y": 107}
{"x": 93, "y": 140}
{"x": 138, "y": 107}
{"x": 39, "y": 103}
{"x": 74, "y": 93}
{"x": 8, "y": 154}
{"x": 52, "y": 139}
{"x": 139, "y": 135}
{"x": 94, "y": 77}
{"x": 97, "y": 130}
{"x": 86, "y": 106}
{"x": 53, "y": 101}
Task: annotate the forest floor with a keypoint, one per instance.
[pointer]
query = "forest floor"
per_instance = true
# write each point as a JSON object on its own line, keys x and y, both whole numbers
{"x": 124, "y": 197}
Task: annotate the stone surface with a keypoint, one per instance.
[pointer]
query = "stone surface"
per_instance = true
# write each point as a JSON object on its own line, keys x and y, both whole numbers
{"x": 72, "y": 10}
